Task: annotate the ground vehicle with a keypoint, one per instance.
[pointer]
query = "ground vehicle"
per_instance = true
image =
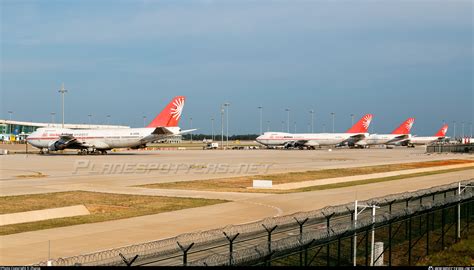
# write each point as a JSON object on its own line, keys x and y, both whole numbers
{"x": 211, "y": 145}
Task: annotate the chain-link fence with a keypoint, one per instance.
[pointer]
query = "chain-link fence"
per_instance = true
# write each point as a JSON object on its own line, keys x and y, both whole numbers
{"x": 452, "y": 148}
{"x": 394, "y": 230}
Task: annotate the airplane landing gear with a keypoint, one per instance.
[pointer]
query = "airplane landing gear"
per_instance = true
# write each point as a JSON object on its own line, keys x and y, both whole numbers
{"x": 92, "y": 152}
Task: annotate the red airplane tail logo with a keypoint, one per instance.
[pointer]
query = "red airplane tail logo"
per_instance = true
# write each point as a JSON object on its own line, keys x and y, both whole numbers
{"x": 362, "y": 126}
{"x": 442, "y": 132}
{"x": 405, "y": 127}
{"x": 171, "y": 114}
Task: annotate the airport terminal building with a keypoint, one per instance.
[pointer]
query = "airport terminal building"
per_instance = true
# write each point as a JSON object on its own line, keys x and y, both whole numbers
{"x": 11, "y": 131}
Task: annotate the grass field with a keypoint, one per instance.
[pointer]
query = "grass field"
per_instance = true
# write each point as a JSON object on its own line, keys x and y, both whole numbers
{"x": 102, "y": 206}
{"x": 242, "y": 184}
{"x": 459, "y": 254}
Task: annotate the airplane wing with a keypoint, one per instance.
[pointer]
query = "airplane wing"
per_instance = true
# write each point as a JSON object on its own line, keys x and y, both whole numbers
{"x": 399, "y": 139}
{"x": 66, "y": 138}
{"x": 65, "y": 141}
{"x": 300, "y": 142}
{"x": 355, "y": 138}
{"x": 295, "y": 143}
{"x": 352, "y": 139}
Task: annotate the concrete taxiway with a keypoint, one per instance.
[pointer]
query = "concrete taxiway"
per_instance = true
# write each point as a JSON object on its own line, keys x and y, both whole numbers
{"x": 19, "y": 173}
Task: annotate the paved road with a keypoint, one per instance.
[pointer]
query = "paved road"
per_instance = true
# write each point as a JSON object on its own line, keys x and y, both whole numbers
{"x": 80, "y": 239}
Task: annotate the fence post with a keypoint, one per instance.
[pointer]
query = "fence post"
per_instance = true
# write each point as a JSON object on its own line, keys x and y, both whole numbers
{"x": 328, "y": 224}
{"x": 306, "y": 251}
{"x": 339, "y": 251}
{"x": 301, "y": 224}
{"x": 427, "y": 234}
{"x": 458, "y": 225}
{"x": 406, "y": 222}
{"x": 127, "y": 262}
{"x": 185, "y": 252}
{"x": 442, "y": 228}
{"x": 367, "y": 247}
{"x": 409, "y": 240}
{"x": 231, "y": 240}
{"x": 390, "y": 243}
{"x": 327, "y": 254}
{"x": 352, "y": 239}
{"x": 269, "y": 231}
{"x": 390, "y": 206}
{"x": 468, "y": 217}
{"x": 354, "y": 251}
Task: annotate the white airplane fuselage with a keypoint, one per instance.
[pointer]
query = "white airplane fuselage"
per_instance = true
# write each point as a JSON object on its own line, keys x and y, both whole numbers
{"x": 309, "y": 139}
{"x": 424, "y": 140}
{"x": 101, "y": 139}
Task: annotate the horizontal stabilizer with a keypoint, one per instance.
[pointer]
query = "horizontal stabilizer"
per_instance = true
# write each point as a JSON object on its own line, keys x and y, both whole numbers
{"x": 187, "y": 131}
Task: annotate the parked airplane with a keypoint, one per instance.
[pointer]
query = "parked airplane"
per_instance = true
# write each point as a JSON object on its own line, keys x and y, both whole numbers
{"x": 400, "y": 136}
{"x": 311, "y": 140}
{"x": 441, "y": 134}
{"x": 98, "y": 141}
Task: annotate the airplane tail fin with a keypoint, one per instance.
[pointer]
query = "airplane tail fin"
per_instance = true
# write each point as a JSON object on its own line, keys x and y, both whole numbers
{"x": 405, "y": 127}
{"x": 442, "y": 132}
{"x": 170, "y": 115}
{"x": 362, "y": 126}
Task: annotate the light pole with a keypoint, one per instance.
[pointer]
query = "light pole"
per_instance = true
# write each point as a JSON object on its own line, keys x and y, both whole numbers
{"x": 287, "y": 119}
{"x": 352, "y": 119}
{"x": 108, "y": 119}
{"x": 144, "y": 120}
{"x": 227, "y": 105}
{"x": 312, "y": 120}
{"x": 222, "y": 126}
{"x": 10, "y": 125}
{"x": 191, "y": 133}
{"x": 52, "y": 117}
{"x": 261, "y": 111}
{"x": 333, "y": 117}
{"x": 62, "y": 91}
{"x": 90, "y": 119}
{"x": 212, "y": 128}
{"x": 454, "y": 129}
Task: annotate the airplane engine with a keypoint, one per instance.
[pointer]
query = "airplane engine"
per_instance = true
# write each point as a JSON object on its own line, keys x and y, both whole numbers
{"x": 290, "y": 145}
{"x": 56, "y": 146}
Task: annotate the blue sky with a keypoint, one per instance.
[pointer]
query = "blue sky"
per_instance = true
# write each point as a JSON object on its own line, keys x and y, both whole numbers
{"x": 395, "y": 59}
